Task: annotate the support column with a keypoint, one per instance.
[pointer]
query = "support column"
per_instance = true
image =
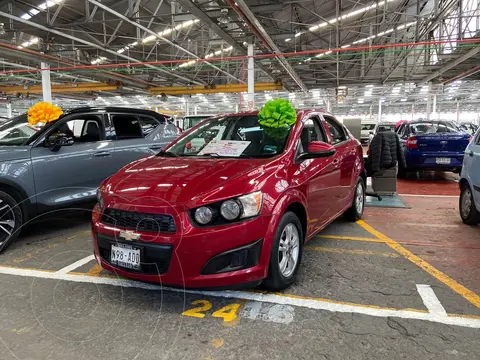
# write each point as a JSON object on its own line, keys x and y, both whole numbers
{"x": 46, "y": 84}
{"x": 195, "y": 110}
{"x": 9, "y": 110}
{"x": 413, "y": 110}
{"x": 379, "y": 117}
{"x": 186, "y": 106}
{"x": 435, "y": 105}
{"x": 251, "y": 79}
{"x": 429, "y": 101}
{"x": 329, "y": 105}
{"x": 458, "y": 111}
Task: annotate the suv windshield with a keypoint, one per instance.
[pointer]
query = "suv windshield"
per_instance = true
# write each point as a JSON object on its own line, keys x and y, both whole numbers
{"x": 422, "y": 128}
{"x": 16, "y": 131}
{"x": 386, "y": 127}
{"x": 230, "y": 136}
{"x": 367, "y": 126}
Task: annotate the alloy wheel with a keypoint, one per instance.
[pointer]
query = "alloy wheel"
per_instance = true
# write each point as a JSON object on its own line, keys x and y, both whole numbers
{"x": 466, "y": 203}
{"x": 289, "y": 250}
{"x": 7, "y": 221}
{"x": 359, "y": 198}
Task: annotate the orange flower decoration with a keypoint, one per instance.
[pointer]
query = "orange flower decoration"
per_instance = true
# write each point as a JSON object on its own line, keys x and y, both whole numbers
{"x": 43, "y": 112}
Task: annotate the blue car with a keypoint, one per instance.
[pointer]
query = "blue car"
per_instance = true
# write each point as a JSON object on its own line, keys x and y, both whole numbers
{"x": 433, "y": 145}
{"x": 470, "y": 183}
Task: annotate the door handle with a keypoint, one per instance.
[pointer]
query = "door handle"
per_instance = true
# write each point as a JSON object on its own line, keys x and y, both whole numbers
{"x": 102, "y": 154}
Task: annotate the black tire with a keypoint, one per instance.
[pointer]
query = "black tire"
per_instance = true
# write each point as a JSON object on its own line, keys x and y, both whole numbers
{"x": 10, "y": 211}
{"x": 276, "y": 280}
{"x": 467, "y": 208}
{"x": 355, "y": 212}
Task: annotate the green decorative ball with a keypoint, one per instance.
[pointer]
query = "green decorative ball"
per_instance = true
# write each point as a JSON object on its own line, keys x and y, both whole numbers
{"x": 276, "y": 133}
{"x": 277, "y": 113}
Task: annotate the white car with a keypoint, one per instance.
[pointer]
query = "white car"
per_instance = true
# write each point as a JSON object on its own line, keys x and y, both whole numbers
{"x": 366, "y": 128}
{"x": 381, "y": 127}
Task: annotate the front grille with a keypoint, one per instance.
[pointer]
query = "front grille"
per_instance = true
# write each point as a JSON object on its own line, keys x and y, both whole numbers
{"x": 155, "y": 258}
{"x": 139, "y": 221}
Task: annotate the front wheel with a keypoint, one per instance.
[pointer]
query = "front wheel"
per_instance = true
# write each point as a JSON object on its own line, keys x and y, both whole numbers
{"x": 355, "y": 212}
{"x": 468, "y": 211}
{"x": 11, "y": 220}
{"x": 286, "y": 253}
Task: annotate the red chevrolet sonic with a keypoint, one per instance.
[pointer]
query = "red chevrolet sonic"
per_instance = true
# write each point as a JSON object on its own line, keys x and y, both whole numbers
{"x": 229, "y": 203}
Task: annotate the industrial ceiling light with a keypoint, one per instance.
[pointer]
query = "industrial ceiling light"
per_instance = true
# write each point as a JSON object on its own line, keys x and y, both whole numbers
{"x": 2, "y": 29}
{"x": 224, "y": 18}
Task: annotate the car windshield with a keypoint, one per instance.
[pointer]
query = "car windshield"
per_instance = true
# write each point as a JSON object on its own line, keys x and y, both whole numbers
{"x": 386, "y": 127}
{"x": 230, "y": 136}
{"x": 16, "y": 131}
{"x": 368, "y": 126}
{"x": 423, "y": 128}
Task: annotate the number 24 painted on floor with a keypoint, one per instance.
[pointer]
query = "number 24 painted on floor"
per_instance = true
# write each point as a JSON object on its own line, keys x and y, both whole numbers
{"x": 228, "y": 313}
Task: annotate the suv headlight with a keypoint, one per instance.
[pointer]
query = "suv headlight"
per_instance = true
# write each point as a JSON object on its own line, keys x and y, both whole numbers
{"x": 229, "y": 211}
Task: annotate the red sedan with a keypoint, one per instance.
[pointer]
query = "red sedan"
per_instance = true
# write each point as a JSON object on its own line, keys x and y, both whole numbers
{"x": 229, "y": 203}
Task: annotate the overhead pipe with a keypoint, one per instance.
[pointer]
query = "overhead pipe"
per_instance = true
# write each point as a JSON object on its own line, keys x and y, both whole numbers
{"x": 242, "y": 9}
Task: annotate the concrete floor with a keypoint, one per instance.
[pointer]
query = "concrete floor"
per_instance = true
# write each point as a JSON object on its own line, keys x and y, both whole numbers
{"x": 404, "y": 284}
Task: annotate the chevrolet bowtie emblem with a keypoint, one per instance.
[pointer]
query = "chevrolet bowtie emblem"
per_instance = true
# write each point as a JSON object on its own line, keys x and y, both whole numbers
{"x": 129, "y": 235}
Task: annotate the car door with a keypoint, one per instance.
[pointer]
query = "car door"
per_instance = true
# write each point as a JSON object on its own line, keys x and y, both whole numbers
{"x": 471, "y": 167}
{"x": 72, "y": 173}
{"x": 136, "y": 136}
{"x": 319, "y": 175}
{"x": 344, "y": 161}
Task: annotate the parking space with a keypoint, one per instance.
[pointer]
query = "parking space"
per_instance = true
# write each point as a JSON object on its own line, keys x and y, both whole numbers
{"x": 373, "y": 287}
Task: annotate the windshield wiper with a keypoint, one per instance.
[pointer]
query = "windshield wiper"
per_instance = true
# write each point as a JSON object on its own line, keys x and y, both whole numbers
{"x": 167, "y": 154}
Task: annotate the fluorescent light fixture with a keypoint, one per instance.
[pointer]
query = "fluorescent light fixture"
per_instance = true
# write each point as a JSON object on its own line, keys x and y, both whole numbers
{"x": 369, "y": 86}
{"x": 298, "y": 34}
{"x": 149, "y": 38}
{"x": 26, "y": 16}
{"x": 288, "y": 40}
{"x": 121, "y": 51}
{"x": 403, "y": 100}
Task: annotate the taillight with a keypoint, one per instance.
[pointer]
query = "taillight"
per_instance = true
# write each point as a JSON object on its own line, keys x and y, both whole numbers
{"x": 412, "y": 143}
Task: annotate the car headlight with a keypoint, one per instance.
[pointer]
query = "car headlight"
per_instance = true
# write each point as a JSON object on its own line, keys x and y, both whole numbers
{"x": 230, "y": 210}
{"x": 99, "y": 198}
{"x": 251, "y": 204}
{"x": 203, "y": 215}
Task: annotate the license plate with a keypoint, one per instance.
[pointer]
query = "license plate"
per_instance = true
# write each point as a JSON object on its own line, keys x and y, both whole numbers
{"x": 125, "y": 256}
{"x": 443, "y": 161}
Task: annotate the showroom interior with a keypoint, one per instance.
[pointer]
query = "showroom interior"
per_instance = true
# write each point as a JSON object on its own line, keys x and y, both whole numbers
{"x": 239, "y": 179}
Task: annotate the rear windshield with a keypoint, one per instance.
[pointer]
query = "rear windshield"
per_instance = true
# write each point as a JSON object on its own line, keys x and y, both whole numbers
{"x": 386, "y": 127}
{"x": 423, "y": 128}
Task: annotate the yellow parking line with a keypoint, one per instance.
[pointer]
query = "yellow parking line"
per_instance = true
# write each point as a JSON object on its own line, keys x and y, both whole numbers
{"x": 350, "y": 251}
{"x": 95, "y": 270}
{"x": 452, "y": 284}
{"x": 351, "y": 238}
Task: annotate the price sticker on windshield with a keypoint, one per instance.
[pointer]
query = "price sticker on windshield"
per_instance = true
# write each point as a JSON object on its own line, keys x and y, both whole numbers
{"x": 225, "y": 148}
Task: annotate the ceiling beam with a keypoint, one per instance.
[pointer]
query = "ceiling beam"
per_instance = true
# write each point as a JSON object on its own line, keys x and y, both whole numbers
{"x": 85, "y": 42}
{"x": 147, "y": 30}
{"x": 241, "y": 7}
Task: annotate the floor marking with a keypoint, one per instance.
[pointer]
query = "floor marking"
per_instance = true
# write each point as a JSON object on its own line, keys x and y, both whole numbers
{"x": 444, "y": 278}
{"x": 76, "y": 265}
{"x": 440, "y": 196}
{"x": 350, "y": 251}
{"x": 95, "y": 270}
{"x": 431, "y": 300}
{"x": 256, "y": 296}
{"x": 352, "y": 238}
{"x": 428, "y": 225}
{"x": 282, "y": 314}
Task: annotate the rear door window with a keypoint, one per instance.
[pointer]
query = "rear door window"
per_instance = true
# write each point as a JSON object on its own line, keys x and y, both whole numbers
{"x": 125, "y": 126}
{"x": 148, "y": 124}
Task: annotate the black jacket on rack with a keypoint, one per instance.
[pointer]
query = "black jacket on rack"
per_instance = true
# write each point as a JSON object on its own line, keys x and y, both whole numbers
{"x": 384, "y": 153}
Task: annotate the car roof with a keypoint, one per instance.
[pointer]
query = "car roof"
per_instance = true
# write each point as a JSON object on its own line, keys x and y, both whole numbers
{"x": 301, "y": 113}
{"x": 114, "y": 109}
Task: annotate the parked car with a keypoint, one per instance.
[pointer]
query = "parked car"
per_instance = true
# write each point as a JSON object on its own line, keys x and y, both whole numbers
{"x": 469, "y": 128}
{"x": 365, "y": 128}
{"x": 236, "y": 211}
{"x": 432, "y": 145}
{"x": 64, "y": 162}
{"x": 470, "y": 183}
{"x": 380, "y": 127}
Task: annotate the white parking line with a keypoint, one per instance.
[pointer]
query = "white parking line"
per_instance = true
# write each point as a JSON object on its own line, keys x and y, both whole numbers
{"x": 76, "y": 265}
{"x": 431, "y": 300}
{"x": 317, "y": 304}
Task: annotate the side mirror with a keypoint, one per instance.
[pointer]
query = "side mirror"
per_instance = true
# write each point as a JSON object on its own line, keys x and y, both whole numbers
{"x": 318, "y": 149}
{"x": 55, "y": 142}
{"x": 371, "y": 132}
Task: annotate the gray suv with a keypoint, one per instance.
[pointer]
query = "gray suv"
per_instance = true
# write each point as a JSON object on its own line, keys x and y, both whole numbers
{"x": 63, "y": 163}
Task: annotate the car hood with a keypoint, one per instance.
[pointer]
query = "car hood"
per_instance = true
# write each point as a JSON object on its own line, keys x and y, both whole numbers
{"x": 188, "y": 181}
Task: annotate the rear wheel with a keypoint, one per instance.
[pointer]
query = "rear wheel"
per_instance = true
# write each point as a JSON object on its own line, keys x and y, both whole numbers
{"x": 468, "y": 210}
{"x": 286, "y": 253}
{"x": 355, "y": 212}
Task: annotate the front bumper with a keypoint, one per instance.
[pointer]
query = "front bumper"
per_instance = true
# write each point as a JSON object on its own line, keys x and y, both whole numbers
{"x": 224, "y": 256}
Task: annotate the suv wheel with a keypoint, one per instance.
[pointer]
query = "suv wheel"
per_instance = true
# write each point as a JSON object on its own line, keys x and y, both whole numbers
{"x": 468, "y": 211}
{"x": 11, "y": 220}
